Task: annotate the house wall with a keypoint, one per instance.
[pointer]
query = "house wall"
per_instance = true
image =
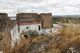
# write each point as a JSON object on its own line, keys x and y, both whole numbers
{"x": 29, "y": 27}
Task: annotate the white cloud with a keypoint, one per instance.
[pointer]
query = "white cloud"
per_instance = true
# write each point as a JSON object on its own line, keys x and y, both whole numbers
{"x": 57, "y": 7}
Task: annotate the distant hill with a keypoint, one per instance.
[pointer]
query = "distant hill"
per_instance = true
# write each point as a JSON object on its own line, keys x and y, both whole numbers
{"x": 66, "y": 16}
{"x": 66, "y": 19}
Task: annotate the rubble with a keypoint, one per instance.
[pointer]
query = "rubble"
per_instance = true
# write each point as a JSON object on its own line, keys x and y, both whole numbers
{"x": 40, "y": 45}
{"x": 55, "y": 43}
{"x": 36, "y": 44}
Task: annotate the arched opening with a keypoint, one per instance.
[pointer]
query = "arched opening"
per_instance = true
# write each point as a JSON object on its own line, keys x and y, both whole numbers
{"x": 39, "y": 28}
{"x": 25, "y": 36}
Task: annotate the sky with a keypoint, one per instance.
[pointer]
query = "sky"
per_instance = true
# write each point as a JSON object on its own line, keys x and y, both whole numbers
{"x": 56, "y": 7}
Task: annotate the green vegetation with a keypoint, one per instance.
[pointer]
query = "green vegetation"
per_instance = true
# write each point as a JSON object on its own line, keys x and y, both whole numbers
{"x": 66, "y": 19}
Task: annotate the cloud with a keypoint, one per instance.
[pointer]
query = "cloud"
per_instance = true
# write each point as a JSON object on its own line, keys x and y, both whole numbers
{"x": 57, "y": 7}
{"x": 31, "y": 1}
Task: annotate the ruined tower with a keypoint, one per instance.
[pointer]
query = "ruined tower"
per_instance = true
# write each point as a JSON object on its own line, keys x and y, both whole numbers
{"x": 3, "y": 17}
{"x": 5, "y": 36}
{"x": 46, "y": 20}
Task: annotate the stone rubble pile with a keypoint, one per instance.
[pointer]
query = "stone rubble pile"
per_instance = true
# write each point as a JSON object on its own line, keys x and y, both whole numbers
{"x": 40, "y": 45}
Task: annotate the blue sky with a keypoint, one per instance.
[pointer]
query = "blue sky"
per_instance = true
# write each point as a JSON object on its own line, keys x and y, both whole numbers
{"x": 57, "y": 7}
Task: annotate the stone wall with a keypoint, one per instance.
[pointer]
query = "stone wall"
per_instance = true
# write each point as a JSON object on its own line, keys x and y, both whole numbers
{"x": 3, "y": 17}
{"x": 27, "y": 17}
{"x": 46, "y": 20}
{"x": 5, "y": 35}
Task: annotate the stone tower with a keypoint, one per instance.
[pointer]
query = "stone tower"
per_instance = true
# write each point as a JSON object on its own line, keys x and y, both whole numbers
{"x": 5, "y": 36}
{"x": 46, "y": 20}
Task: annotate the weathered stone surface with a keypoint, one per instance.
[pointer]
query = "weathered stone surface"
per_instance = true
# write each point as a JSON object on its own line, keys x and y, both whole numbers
{"x": 5, "y": 36}
{"x": 26, "y": 17}
{"x": 46, "y": 20}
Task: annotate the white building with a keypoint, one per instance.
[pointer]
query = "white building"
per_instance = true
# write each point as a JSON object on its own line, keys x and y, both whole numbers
{"x": 42, "y": 23}
{"x": 30, "y": 26}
